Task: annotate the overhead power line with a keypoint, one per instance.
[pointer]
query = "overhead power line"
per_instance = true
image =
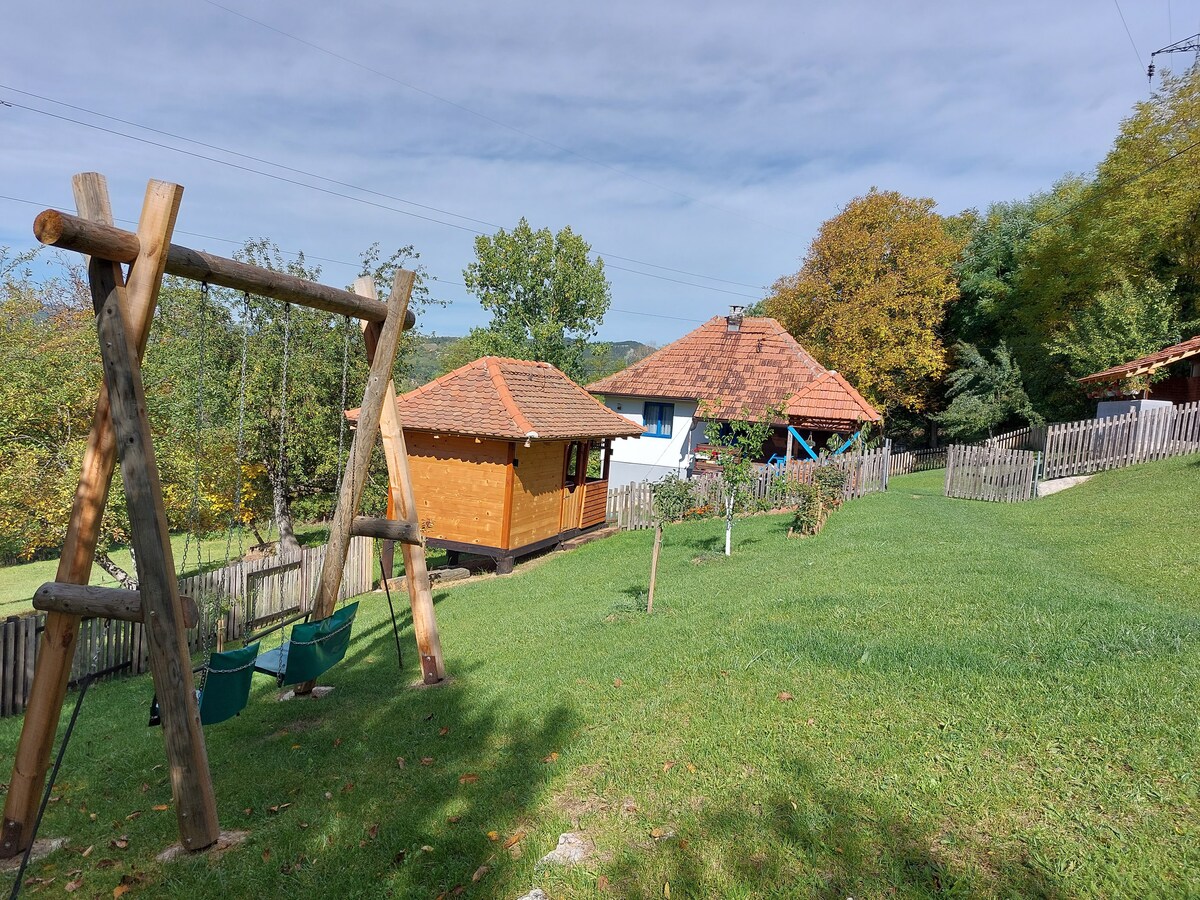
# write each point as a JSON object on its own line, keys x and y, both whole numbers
{"x": 328, "y": 191}
{"x": 342, "y": 262}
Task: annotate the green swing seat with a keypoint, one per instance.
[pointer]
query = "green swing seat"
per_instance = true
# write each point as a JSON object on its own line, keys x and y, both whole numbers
{"x": 313, "y": 649}
{"x": 227, "y": 684}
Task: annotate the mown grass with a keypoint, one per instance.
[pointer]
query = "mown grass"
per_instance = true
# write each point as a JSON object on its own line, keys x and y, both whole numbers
{"x": 986, "y": 700}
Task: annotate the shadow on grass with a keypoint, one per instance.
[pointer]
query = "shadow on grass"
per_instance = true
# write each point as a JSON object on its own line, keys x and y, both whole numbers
{"x": 820, "y": 841}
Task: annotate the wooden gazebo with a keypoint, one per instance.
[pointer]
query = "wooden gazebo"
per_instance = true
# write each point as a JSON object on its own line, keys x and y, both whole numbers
{"x": 499, "y": 452}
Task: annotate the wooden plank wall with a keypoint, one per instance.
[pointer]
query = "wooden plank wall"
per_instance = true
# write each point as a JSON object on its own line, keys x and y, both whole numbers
{"x": 273, "y": 583}
{"x": 459, "y": 487}
{"x": 537, "y": 500}
{"x": 1031, "y": 437}
{"x": 977, "y": 472}
{"x": 631, "y": 506}
{"x": 918, "y": 461}
{"x": 1093, "y": 445}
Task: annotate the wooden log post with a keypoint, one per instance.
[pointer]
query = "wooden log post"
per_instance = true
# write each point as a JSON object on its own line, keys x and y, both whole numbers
{"x": 379, "y": 379}
{"x": 416, "y": 572}
{"x": 102, "y": 602}
{"x": 61, "y": 632}
{"x": 170, "y": 659}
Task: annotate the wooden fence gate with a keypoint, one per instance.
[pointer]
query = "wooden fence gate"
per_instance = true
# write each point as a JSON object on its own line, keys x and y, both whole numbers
{"x": 991, "y": 473}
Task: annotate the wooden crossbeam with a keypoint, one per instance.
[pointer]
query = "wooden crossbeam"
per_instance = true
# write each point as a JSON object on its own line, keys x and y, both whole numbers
{"x": 102, "y": 602}
{"x": 59, "y": 229}
{"x": 386, "y": 529}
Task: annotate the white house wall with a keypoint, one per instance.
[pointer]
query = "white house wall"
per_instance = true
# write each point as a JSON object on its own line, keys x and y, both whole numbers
{"x": 650, "y": 458}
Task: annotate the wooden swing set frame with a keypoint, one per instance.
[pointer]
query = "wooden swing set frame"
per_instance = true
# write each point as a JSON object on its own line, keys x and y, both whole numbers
{"x": 124, "y": 308}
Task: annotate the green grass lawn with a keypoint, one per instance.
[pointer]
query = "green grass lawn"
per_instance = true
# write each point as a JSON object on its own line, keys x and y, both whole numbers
{"x": 977, "y": 700}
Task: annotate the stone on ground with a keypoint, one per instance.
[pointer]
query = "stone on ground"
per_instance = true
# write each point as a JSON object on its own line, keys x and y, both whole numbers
{"x": 572, "y": 848}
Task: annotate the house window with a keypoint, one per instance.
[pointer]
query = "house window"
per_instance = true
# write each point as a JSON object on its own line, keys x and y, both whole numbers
{"x": 657, "y": 419}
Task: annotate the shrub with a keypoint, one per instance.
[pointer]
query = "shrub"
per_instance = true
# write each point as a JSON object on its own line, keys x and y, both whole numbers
{"x": 809, "y": 515}
{"x": 673, "y": 499}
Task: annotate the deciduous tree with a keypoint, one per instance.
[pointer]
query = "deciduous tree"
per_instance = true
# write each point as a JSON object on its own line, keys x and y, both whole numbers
{"x": 546, "y": 294}
{"x": 871, "y": 296}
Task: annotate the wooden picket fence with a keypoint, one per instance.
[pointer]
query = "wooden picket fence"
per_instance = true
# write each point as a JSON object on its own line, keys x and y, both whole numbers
{"x": 631, "y": 506}
{"x": 1093, "y": 445}
{"x": 238, "y": 594}
{"x": 1031, "y": 437}
{"x": 978, "y": 472}
{"x": 917, "y": 461}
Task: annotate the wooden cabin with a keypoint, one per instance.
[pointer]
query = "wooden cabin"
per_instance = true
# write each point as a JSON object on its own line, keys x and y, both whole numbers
{"x": 499, "y": 452}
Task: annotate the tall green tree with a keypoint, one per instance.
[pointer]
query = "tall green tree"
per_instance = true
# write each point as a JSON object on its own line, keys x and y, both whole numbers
{"x": 546, "y": 294}
{"x": 985, "y": 394}
{"x": 872, "y": 294}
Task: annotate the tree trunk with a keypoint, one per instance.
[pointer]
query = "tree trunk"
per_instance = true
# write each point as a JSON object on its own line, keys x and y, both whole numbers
{"x": 124, "y": 579}
{"x": 283, "y": 513}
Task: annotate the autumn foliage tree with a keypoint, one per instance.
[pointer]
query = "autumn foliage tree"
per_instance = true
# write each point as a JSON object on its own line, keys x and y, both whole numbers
{"x": 872, "y": 294}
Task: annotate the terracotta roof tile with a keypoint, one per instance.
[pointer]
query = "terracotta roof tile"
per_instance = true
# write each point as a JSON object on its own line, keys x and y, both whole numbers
{"x": 510, "y": 399}
{"x": 1146, "y": 364}
{"x": 757, "y": 367}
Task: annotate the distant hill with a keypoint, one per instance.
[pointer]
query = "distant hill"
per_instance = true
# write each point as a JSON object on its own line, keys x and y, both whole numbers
{"x": 425, "y": 360}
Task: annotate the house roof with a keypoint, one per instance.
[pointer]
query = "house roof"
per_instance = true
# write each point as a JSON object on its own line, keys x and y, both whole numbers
{"x": 830, "y": 398}
{"x": 1146, "y": 364}
{"x": 510, "y": 399}
{"x": 757, "y": 367}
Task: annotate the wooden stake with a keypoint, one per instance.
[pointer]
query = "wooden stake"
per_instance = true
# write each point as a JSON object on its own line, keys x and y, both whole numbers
{"x": 61, "y": 631}
{"x": 658, "y": 530}
{"x": 420, "y": 593}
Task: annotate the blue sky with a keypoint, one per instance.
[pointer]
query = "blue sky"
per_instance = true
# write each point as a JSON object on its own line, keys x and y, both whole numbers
{"x": 700, "y": 138}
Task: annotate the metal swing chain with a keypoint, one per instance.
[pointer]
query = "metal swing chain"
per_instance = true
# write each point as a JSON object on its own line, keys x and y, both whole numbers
{"x": 342, "y": 408}
{"x": 283, "y": 387}
{"x": 194, "y": 512}
{"x": 236, "y": 509}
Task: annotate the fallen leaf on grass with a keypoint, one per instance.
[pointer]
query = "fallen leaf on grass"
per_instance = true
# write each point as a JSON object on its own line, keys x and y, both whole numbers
{"x": 512, "y": 841}
{"x": 425, "y": 848}
{"x": 106, "y": 863}
{"x": 162, "y": 807}
{"x": 88, "y": 852}
{"x": 691, "y": 768}
{"x": 248, "y": 811}
{"x": 120, "y": 843}
{"x": 617, "y": 682}
{"x": 133, "y": 815}
{"x": 667, "y": 890}
{"x": 145, "y": 786}
{"x": 493, "y": 835}
{"x": 783, "y": 697}
{"x": 347, "y": 787}
{"x": 668, "y": 765}
{"x": 295, "y": 746}
{"x": 683, "y": 845}
{"x": 479, "y": 873}
{"x": 278, "y": 809}
{"x": 552, "y": 757}
{"x": 443, "y": 731}
{"x": 400, "y": 762}
{"x": 427, "y": 760}
{"x": 72, "y": 886}
{"x": 469, "y": 778}
{"x": 120, "y": 890}
{"x": 266, "y": 855}
{"x": 602, "y": 883}
{"x": 337, "y": 742}
{"x": 373, "y": 830}
{"x": 811, "y": 722}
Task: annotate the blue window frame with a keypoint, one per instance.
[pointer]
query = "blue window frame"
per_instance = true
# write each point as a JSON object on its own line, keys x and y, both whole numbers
{"x": 657, "y": 418}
